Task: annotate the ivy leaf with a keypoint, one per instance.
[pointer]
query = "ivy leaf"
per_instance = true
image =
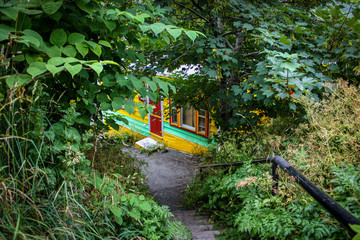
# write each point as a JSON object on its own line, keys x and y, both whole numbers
{"x": 50, "y": 7}
{"x": 97, "y": 67}
{"x": 18, "y": 80}
{"x": 76, "y": 38}
{"x": 157, "y": 28}
{"x": 73, "y": 69}
{"x": 58, "y": 37}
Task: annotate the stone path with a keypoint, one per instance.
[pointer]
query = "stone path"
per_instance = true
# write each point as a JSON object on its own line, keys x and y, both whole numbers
{"x": 168, "y": 175}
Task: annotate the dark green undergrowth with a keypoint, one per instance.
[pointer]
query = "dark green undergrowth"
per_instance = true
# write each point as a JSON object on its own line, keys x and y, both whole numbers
{"x": 56, "y": 183}
{"x": 323, "y": 145}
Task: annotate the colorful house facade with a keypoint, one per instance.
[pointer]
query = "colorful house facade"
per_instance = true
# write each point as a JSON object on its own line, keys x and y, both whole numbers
{"x": 185, "y": 129}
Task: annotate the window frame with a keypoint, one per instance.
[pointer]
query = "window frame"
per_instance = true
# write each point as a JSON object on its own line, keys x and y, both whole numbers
{"x": 196, "y": 129}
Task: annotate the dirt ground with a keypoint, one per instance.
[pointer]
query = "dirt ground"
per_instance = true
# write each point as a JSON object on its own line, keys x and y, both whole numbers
{"x": 168, "y": 174}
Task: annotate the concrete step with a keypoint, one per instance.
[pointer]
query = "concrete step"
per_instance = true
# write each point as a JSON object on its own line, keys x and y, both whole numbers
{"x": 199, "y": 226}
{"x": 148, "y": 144}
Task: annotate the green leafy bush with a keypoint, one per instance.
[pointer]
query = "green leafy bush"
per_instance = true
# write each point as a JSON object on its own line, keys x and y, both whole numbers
{"x": 323, "y": 145}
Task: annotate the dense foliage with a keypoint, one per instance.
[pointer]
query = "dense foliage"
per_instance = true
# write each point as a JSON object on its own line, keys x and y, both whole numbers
{"x": 62, "y": 65}
{"x": 325, "y": 147}
{"x": 262, "y": 54}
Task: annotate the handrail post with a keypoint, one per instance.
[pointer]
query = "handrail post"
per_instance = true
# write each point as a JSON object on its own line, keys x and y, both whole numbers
{"x": 275, "y": 175}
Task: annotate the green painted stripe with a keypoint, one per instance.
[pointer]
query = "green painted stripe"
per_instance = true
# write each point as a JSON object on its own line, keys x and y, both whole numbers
{"x": 134, "y": 125}
{"x": 143, "y": 128}
{"x": 188, "y": 136}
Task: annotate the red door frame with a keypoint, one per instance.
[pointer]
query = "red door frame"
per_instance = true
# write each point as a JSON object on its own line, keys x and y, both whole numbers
{"x": 155, "y": 119}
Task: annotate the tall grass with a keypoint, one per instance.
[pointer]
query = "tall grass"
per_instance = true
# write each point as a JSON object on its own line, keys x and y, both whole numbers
{"x": 49, "y": 191}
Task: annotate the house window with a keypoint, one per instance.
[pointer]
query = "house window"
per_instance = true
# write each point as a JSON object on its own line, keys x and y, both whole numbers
{"x": 192, "y": 120}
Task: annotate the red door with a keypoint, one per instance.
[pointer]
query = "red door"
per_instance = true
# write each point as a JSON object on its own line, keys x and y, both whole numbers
{"x": 155, "y": 119}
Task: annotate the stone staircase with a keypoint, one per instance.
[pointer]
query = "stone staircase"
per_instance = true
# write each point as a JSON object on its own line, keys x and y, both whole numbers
{"x": 168, "y": 175}
{"x": 199, "y": 226}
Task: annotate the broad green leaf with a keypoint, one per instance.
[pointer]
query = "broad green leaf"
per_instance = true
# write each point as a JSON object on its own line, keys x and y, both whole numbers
{"x": 27, "y": 40}
{"x": 97, "y": 50}
{"x": 142, "y": 112}
{"x": 157, "y": 28}
{"x": 71, "y": 60}
{"x": 248, "y": 26}
{"x": 144, "y": 27}
{"x": 141, "y": 17}
{"x": 145, "y": 206}
{"x": 117, "y": 104}
{"x": 2, "y": 97}
{"x": 111, "y": 25}
{"x": 105, "y": 43}
{"x": 285, "y": 40}
{"x": 355, "y": 227}
{"x": 73, "y": 69}
{"x": 291, "y": 66}
{"x": 129, "y": 107}
{"x": 18, "y": 80}
{"x": 53, "y": 51}
{"x": 69, "y": 51}
{"x": 76, "y": 38}
{"x": 53, "y": 69}
{"x": 191, "y": 34}
{"x": 29, "y": 32}
{"x": 72, "y": 134}
{"x": 56, "y": 61}
{"x": 116, "y": 211}
{"x": 268, "y": 93}
{"x": 10, "y": 12}
{"x": 4, "y": 34}
{"x": 82, "y": 48}
{"x": 50, "y": 7}
{"x": 109, "y": 62}
{"x": 58, "y": 37}
{"x": 300, "y": 29}
{"x": 97, "y": 67}
{"x": 152, "y": 86}
{"x": 36, "y": 69}
{"x": 121, "y": 79}
{"x": 174, "y": 32}
{"x": 137, "y": 84}
{"x": 292, "y": 106}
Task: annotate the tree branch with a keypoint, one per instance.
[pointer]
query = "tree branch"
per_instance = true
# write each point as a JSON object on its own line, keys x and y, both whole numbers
{"x": 250, "y": 54}
{"x": 191, "y": 10}
{"x": 229, "y": 44}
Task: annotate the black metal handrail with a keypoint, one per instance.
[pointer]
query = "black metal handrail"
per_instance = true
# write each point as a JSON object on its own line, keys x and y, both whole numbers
{"x": 341, "y": 214}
